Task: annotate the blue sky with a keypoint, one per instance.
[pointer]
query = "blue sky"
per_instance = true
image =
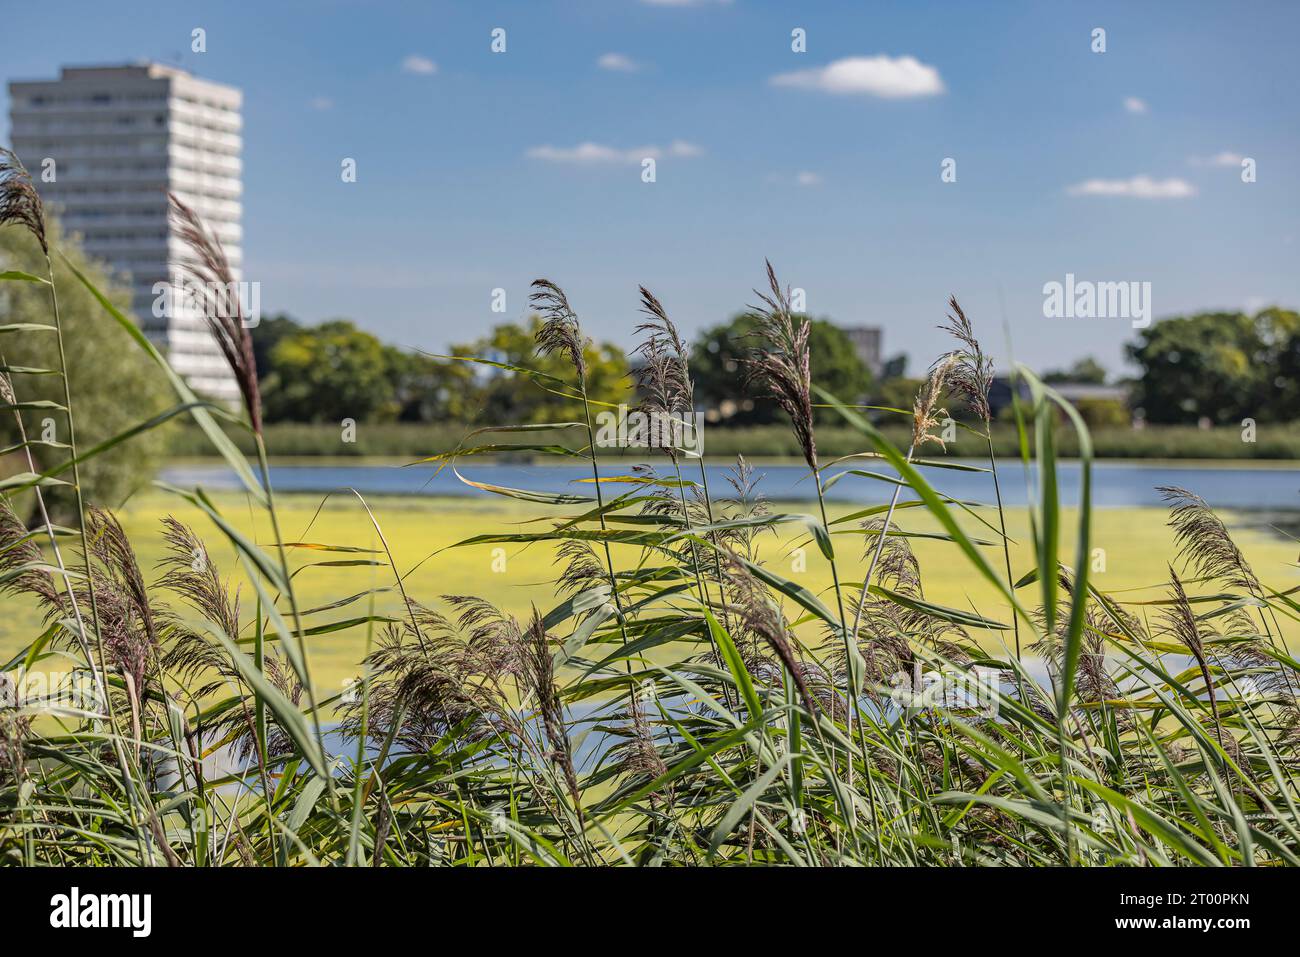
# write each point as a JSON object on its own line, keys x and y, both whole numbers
{"x": 472, "y": 173}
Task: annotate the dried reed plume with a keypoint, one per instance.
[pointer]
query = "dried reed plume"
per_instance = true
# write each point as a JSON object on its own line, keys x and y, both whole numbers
{"x": 541, "y": 679}
{"x": 897, "y": 564}
{"x": 762, "y": 619}
{"x": 437, "y": 685}
{"x": 781, "y": 369}
{"x": 748, "y": 503}
{"x": 189, "y": 572}
{"x": 664, "y": 376}
{"x": 14, "y": 730}
{"x": 237, "y": 725}
{"x": 972, "y": 378}
{"x": 208, "y": 267}
{"x": 972, "y": 371}
{"x": 560, "y": 331}
{"x": 20, "y": 204}
{"x": 127, "y": 621}
{"x": 926, "y": 414}
{"x": 494, "y": 643}
{"x": 639, "y": 753}
{"x": 749, "y": 499}
{"x": 924, "y": 418}
{"x": 1181, "y": 622}
{"x": 1204, "y": 544}
{"x": 582, "y": 567}
{"x": 883, "y": 625}
{"x": 1092, "y": 682}
{"x": 22, "y": 566}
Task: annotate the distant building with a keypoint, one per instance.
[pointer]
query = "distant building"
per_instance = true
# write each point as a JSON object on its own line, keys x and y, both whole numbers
{"x": 1072, "y": 392}
{"x": 866, "y": 343}
{"x": 104, "y": 145}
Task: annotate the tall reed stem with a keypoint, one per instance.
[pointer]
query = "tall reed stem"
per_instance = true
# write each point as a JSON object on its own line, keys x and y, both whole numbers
{"x": 128, "y": 785}
{"x": 880, "y": 548}
{"x": 699, "y": 576}
{"x": 265, "y": 470}
{"x": 1006, "y": 550}
{"x": 600, "y": 509}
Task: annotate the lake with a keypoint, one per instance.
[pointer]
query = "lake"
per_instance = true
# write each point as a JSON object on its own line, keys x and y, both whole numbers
{"x": 1114, "y": 484}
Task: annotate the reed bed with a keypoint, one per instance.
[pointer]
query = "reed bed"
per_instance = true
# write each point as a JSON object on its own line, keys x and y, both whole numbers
{"x": 683, "y": 701}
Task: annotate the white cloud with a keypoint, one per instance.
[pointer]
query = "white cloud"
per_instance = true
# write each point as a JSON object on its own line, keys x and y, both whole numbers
{"x": 1139, "y": 187}
{"x": 1226, "y": 158}
{"x": 890, "y": 78}
{"x": 1134, "y": 105}
{"x": 419, "y": 64}
{"x": 618, "y": 63}
{"x": 683, "y": 150}
{"x": 322, "y": 103}
{"x": 801, "y": 178}
{"x": 596, "y": 154}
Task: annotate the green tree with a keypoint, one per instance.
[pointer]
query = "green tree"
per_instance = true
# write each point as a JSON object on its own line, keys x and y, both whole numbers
{"x": 1280, "y": 330}
{"x": 1224, "y": 366}
{"x": 1086, "y": 370}
{"x": 718, "y": 370}
{"x": 267, "y": 335}
{"x": 428, "y": 389}
{"x": 328, "y": 373}
{"x": 501, "y": 396}
{"x": 114, "y": 384}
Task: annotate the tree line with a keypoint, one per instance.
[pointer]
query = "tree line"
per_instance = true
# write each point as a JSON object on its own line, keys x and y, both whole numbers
{"x": 1215, "y": 366}
{"x": 335, "y": 370}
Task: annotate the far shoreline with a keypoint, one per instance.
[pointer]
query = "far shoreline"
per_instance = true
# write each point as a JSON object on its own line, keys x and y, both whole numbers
{"x": 399, "y": 462}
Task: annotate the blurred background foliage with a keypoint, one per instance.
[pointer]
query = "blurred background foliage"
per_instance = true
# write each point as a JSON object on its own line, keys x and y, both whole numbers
{"x": 114, "y": 385}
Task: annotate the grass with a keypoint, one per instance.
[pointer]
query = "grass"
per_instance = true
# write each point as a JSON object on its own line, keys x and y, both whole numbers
{"x": 653, "y": 682}
{"x": 1134, "y": 539}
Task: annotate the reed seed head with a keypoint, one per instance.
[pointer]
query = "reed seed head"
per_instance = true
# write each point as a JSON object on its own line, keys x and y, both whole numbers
{"x": 208, "y": 266}
{"x": 972, "y": 371}
{"x": 781, "y": 366}
{"x": 1204, "y": 544}
{"x": 20, "y": 204}
{"x": 560, "y": 331}
{"x": 925, "y": 412}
